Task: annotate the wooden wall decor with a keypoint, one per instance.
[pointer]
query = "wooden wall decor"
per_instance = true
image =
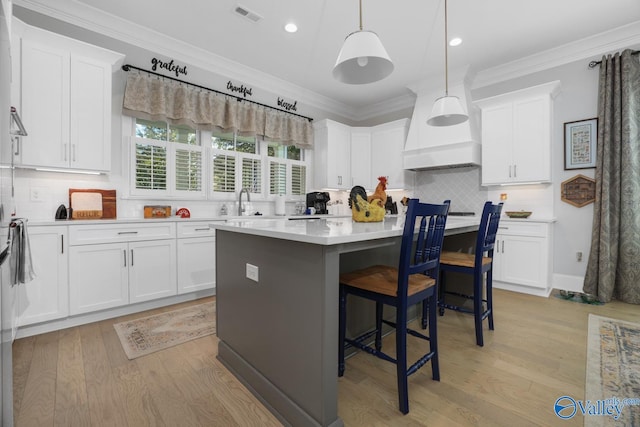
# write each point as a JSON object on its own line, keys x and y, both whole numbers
{"x": 578, "y": 191}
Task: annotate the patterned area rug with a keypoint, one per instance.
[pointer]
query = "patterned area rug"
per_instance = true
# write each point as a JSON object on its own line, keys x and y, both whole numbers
{"x": 150, "y": 334}
{"x": 613, "y": 369}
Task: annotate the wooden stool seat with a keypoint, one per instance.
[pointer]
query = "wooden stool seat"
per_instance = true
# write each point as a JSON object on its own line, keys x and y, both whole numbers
{"x": 462, "y": 259}
{"x": 384, "y": 280}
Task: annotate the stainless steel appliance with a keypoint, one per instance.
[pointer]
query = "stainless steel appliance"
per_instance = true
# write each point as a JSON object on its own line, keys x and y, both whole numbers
{"x": 318, "y": 200}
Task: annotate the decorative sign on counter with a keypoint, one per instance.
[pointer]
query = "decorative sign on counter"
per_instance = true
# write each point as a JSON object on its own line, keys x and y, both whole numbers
{"x": 169, "y": 66}
{"x": 579, "y": 191}
{"x": 288, "y": 105}
{"x": 240, "y": 89}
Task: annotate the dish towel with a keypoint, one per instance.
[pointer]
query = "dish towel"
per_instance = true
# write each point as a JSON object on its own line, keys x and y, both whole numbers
{"x": 20, "y": 263}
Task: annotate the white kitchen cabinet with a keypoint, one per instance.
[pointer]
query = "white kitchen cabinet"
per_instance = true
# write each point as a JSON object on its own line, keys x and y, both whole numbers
{"x": 522, "y": 256}
{"x": 196, "y": 257}
{"x": 332, "y": 155}
{"x": 361, "y": 158}
{"x": 516, "y": 136}
{"x": 47, "y": 296}
{"x": 114, "y": 265}
{"x": 387, "y": 147}
{"x": 65, "y": 99}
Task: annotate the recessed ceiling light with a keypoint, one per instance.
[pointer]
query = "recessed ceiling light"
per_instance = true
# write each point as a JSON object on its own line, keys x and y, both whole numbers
{"x": 455, "y": 41}
{"x": 291, "y": 27}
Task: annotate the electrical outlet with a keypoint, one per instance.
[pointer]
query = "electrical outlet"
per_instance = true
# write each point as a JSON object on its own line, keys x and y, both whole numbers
{"x": 252, "y": 272}
{"x": 579, "y": 256}
{"x": 37, "y": 194}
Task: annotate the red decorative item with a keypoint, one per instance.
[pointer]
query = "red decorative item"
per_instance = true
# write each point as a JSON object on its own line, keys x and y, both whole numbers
{"x": 183, "y": 213}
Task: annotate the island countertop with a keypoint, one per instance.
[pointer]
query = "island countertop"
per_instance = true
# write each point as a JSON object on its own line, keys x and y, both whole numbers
{"x": 333, "y": 231}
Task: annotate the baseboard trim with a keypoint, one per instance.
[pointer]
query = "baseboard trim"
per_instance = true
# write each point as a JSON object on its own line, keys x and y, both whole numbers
{"x": 540, "y": 292}
{"x": 68, "y": 322}
{"x": 568, "y": 283}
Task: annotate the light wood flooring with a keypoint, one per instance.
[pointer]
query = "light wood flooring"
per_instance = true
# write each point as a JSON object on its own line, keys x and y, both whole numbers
{"x": 81, "y": 377}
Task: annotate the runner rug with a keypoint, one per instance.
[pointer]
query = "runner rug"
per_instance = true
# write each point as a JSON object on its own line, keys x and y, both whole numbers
{"x": 149, "y": 334}
{"x": 613, "y": 370}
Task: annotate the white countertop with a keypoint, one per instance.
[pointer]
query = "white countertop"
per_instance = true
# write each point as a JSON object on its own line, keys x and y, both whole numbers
{"x": 332, "y": 231}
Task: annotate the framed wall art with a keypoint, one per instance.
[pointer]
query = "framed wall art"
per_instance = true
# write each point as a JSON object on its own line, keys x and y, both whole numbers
{"x": 580, "y": 138}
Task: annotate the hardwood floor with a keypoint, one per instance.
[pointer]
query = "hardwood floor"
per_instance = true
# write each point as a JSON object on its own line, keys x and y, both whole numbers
{"x": 81, "y": 377}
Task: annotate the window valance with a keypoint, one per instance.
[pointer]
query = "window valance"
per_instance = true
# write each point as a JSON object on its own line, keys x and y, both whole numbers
{"x": 154, "y": 98}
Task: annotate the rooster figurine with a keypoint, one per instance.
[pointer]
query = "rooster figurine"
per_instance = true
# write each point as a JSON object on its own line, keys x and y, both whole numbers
{"x": 379, "y": 194}
{"x": 368, "y": 208}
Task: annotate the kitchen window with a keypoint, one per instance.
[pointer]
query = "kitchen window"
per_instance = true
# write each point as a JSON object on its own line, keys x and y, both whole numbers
{"x": 167, "y": 160}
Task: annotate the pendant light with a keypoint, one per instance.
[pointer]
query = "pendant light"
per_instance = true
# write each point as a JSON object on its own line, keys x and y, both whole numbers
{"x": 362, "y": 58}
{"x": 447, "y": 110}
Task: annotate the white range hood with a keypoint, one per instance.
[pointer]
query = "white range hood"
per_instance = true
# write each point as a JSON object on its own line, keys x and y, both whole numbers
{"x": 431, "y": 147}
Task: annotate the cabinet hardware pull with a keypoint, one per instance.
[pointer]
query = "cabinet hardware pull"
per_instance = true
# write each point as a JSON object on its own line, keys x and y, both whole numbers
{"x": 203, "y": 229}
{"x": 65, "y": 151}
{"x": 62, "y": 243}
{"x": 515, "y": 171}
{"x": 127, "y": 232}
{"x": 503, "y": 228}
{"x": 503, "y": 246}
{"x": 124, "y": 252}
{"x": 73, "y": 152}
{"x": 509, "y": 171}
{"x": 131, "y": 257}
{"x": 17, "y": 140}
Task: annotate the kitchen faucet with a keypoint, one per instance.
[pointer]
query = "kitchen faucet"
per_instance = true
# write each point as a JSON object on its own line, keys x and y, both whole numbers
{"x": 240, "y": 208}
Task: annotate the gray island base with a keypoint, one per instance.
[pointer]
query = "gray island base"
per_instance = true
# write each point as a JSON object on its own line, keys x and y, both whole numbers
{"x": 279, "y": 334}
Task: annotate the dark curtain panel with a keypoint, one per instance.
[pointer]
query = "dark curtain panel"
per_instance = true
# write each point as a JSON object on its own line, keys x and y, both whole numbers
{"x": 613, "y": 271}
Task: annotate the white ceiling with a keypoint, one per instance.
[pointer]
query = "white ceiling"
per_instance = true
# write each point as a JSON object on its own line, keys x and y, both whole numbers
{"x": 494, "y": 32}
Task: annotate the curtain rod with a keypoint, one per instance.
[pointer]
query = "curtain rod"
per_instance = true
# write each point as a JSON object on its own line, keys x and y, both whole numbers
{"x": 127, "y": 67}
{"x": 594, "y": 64}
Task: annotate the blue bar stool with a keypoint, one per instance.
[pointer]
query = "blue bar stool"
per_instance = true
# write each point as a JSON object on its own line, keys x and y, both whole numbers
{"x": 478, "y": 265}
{"x": 413, "y": 281}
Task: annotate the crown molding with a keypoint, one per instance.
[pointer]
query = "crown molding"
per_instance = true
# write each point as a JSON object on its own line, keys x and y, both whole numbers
{"x": 588, "y": 48}
{"x": 92, "y": 19}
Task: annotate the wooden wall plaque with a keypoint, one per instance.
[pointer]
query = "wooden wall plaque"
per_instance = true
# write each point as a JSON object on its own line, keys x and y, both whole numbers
{"x": 579, "y": 191}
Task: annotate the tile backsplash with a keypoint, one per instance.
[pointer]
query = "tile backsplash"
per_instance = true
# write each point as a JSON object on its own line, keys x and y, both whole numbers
{"x": 460, "y": 185}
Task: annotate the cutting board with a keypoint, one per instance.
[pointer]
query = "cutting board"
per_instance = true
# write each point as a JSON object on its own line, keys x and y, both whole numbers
{"x": 92, "y": 203}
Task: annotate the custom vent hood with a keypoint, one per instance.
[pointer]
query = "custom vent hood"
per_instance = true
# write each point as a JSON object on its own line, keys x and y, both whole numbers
{"x": 432, "y": 147}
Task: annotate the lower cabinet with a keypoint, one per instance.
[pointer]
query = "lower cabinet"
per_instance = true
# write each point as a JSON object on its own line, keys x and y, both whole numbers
{"x": 522, "y": 255}
{"x": 46, "y": 297}
{"x": 135, "y": 263}
{"x": 196, "y": 257}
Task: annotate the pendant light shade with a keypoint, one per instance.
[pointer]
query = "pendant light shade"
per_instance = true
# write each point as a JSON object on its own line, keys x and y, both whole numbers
{"x": 362, "y": 59}
{"x": 447, "y": 110}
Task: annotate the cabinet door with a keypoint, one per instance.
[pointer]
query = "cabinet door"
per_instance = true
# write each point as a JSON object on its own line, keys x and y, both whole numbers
{"x": 90, "y": 114}
{"x": 45, "y": 106}
{"x": 196, "y": 264}
{"x": 361, "y": 158}
{"x": 339, "y": 160}
{"x": 497, "y": 135}
{"x": 47, "y": 296}
{"x": 523, "y": 261}
{"x": 531, "y": 147}
{"x": 387, "y": 145}
{"x": 98, "y": 277}
{"x": 152, "y": 270}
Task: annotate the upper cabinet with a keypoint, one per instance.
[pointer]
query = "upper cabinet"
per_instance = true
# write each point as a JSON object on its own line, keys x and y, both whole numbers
{"x": 345, "y": 156}
{"x": 332, "y": 155}
{"x": 387, "y": 148}
{"x": 65, "y": 96}
{"x": 516, "y": 135}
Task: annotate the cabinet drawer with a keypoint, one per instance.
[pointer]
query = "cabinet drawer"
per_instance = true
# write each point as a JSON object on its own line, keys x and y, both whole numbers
{"x": 96, "y": 233}
{"x": 196, "y": 229}
{"x": 521, "y": 228}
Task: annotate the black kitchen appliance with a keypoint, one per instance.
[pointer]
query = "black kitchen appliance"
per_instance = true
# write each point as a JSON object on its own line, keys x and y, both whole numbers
{"x": 318, "y": 200}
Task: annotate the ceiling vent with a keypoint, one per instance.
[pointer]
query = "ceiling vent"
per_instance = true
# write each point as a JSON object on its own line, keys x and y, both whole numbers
{"x": 247, "y": 14}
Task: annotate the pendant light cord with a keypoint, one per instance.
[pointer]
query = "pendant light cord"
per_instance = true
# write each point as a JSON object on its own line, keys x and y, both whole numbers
{"x": 446, "y": 52}
{"x": 360, "y": 15}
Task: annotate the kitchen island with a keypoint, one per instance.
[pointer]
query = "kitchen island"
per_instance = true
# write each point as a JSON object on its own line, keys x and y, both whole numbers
{"x": 277, "y": 304}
